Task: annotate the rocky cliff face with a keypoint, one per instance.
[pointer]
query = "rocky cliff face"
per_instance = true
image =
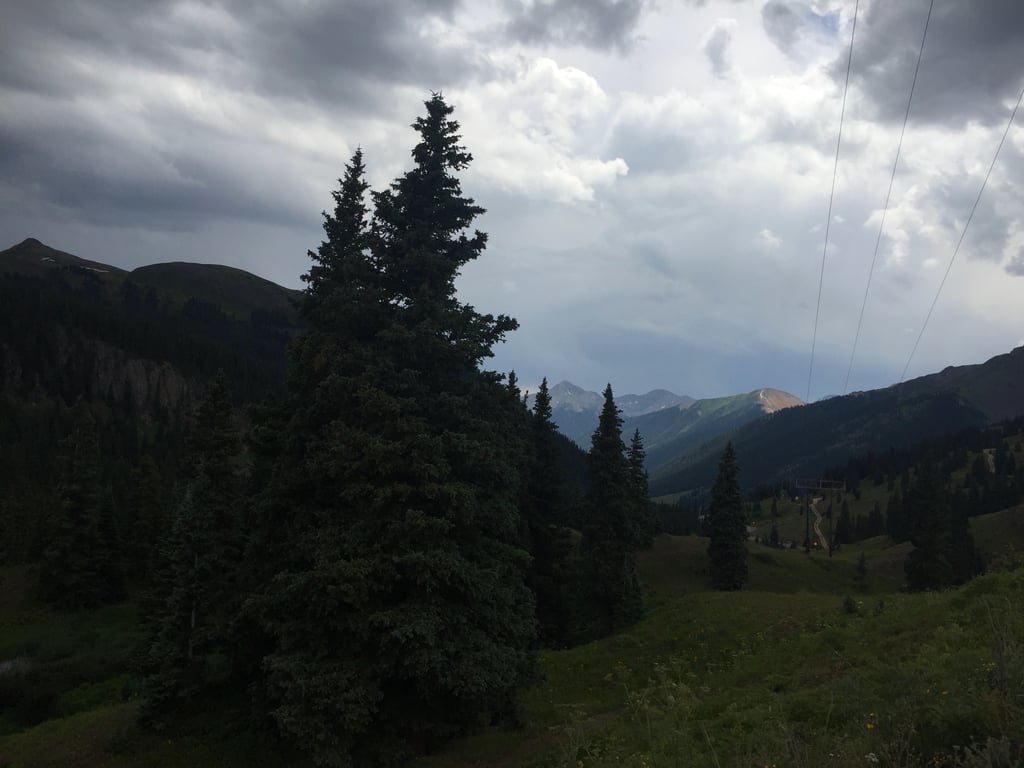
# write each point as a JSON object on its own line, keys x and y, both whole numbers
{"x": 69, "y": 364}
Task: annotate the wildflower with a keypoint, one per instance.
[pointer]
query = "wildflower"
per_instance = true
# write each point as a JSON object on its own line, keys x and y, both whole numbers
{"x": 869, "y": 726}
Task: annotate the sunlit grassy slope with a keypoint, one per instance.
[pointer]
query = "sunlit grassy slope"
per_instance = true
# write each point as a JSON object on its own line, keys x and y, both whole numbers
{"x": 789, "y": 673}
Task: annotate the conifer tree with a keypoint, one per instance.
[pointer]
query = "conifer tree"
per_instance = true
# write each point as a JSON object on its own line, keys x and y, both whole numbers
{"x": 926, "y": 506}
{"x": 644, "y": 522}
{"x": 148, "y": 526}
{"x": 398, "y": 613}
{"x": 79, "y": 566}
{"x": 612, "y": 590}
{"x": 965, "y": 560}
{"x": 198, "y": 579}
{"x": 843, "y": 533}
{"x": 550, "y": 544}
{"x": 727, "y": 527}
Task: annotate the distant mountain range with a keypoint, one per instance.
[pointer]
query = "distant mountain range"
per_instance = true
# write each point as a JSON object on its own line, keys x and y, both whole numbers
{"x": 145, "y": 341}
{"x": 802, "y": 442}
{"x": 670, "y": 424}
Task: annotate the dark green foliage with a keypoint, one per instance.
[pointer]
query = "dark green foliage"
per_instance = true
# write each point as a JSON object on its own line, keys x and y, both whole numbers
{"x": 80, "y": 566}
{"x": 897, "y": 522}
{"x": 395, "y": 608}
{"x": 726, "y": 527}
{"x": 928, "y": 511}
{"x": 861, "y": 572}
{"x": 944, "y": 553}
{"x": 148, "y": 524}
{"x": 612, "y": 598}
{"x": 644, "y": 521}
{"x": 197, "y": 581}
{"x": 550, "y": 543}
{"x": 843, "y": 531}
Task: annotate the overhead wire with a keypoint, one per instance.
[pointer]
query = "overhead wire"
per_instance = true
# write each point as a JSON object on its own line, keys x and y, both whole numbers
{"x": 888, "y": 195}
{"x": 831, "y": 198}
{"x": 963, "y": 234}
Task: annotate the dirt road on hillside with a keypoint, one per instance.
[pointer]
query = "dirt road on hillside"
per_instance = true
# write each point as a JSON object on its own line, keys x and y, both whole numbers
{"x": 822, "y": 541}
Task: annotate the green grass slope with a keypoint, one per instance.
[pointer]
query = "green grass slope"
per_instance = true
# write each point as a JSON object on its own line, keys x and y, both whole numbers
{"x": 789, "y": 673}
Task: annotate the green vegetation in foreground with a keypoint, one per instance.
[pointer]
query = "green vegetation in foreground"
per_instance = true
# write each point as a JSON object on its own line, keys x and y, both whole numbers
{"x": 785, "y": 674}
{"x": 765, "y": 678}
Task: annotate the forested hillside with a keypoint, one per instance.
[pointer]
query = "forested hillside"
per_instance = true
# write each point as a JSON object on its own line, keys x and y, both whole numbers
{"x": 799, "y": 442}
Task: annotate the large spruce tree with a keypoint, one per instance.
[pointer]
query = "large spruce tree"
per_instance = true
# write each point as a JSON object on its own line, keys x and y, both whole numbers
{"x": 726, "y": 526}
{"x": 611, "y": 591}
{"x": 397, "y": 612}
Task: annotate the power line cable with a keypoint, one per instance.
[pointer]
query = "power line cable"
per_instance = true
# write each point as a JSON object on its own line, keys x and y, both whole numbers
{"x": 963, "y": 234}
{"x": 831, "y": 198}
{"x": 888, "y": 194}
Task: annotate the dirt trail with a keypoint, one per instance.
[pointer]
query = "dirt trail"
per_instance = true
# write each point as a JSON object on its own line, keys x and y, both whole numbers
{"x": 822, "y": 541}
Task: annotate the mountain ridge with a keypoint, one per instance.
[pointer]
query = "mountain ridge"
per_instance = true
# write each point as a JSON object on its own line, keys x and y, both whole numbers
{"x": 807, "y": 440}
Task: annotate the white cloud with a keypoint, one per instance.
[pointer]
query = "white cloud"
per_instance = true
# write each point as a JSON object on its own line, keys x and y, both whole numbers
{"x": 536, "y": 130}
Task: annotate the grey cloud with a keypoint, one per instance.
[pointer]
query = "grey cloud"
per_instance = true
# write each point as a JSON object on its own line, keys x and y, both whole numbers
{"x": 717, "y": 50}
{"x": 787, "y": 23}
{"x": 592, "y": 23}
{"x": 333, "y": 53}
{"x": 782, "y": 24}
{"x": 328, "y": 52}
{"x": 1016, "y": 265}
{"x": 65, "y": 61}
{"x": 96, "y": 176}
{"x": 972, "y": 59}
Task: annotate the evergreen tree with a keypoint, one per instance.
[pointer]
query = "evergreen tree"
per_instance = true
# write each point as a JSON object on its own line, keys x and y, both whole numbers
{"x": 550, "y": 544}
{"x": 198, "y": 579}
{"x": 927, "y": 508}
{"x": 897, "y": 523}
{"x": 861, "y": 572}
{"x": 727, "y": 527}
{"x": 644, "y": 522}
{"x": 399, "y": 613}
{"x": 843, "y": 534}
{"x": 965, "y": 560}
{"x": 612, "y": 589}
{"x": 148, "y": 526}
{"x": 79, "y": 566}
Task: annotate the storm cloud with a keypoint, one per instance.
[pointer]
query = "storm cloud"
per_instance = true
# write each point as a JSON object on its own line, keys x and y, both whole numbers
{"x": 971, "y": 69}
{"x": 656, "y": 174}
{"x": 607, "y": 24}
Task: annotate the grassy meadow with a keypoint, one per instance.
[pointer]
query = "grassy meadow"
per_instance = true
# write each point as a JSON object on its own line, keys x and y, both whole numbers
{"x": 812, "y": 666}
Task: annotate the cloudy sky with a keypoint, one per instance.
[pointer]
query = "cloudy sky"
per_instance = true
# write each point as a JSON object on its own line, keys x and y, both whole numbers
{"x": 656, "y": 172}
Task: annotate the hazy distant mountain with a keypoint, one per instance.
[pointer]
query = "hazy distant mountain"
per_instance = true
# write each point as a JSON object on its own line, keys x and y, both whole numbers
{"x": 799, "y": 442}
{"x": 670, "y": 424}
{"x": 575, "y": 410}
{"x": 671, "y": 432}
